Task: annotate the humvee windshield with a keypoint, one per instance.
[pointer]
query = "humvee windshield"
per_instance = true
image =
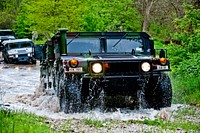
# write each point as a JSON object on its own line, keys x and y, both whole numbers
{"x": 85, "y": 45}
{"x": 125, "y": 45}
{"x": 19, "y": 45}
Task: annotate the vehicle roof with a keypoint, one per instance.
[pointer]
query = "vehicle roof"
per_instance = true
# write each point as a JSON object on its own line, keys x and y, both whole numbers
{"x": 108, "y": 34}
{"x": 104, "y": 34}
{"x": 6, "y": 30}
{"x": 16, "y": 40}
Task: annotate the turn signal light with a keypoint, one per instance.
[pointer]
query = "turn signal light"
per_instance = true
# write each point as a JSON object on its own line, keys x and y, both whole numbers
{"x": 163, "y": 61}
{"x": 73, "y": 63}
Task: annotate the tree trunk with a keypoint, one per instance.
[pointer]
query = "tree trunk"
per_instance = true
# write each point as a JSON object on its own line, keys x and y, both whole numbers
{"x": 147, "y": 5}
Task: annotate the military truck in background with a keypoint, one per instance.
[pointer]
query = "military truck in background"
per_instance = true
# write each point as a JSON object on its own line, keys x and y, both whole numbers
{"x": 106, "y": 69}
{"x": 6, "y": 34}
{"x": 19, "y": 51}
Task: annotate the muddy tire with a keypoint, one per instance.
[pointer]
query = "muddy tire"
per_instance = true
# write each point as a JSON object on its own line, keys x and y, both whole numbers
{"x": 70, "y": 95}
{"x": 62, "y": 96}
{"x": 159, "y": 93}
{"x": 92, "y": 95}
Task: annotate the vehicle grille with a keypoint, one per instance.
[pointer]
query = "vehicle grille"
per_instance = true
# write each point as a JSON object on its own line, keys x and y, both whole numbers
{"x": 21, "y": 51}
{"x": 22, "y": 55}
{"x": 122, "y": 68}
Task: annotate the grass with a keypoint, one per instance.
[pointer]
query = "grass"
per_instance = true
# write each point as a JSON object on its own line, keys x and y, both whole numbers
{"x": 187, "y": 126}
{"x": 184, "y": 119}
{"x": 186, "y": 89}
{"x": 22, "y": 122}
{"x": 94, "y": 123}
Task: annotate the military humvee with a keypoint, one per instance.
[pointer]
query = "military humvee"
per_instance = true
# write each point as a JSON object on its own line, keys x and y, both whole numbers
{"x": 6, "y": 34}
{"x": 18, "y": 51}
{"x": 106, "y": 69}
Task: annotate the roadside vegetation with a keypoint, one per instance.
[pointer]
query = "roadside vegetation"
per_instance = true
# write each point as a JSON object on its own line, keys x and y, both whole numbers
{"x": 22, "y": 122}
{"x": 185, "y": 119}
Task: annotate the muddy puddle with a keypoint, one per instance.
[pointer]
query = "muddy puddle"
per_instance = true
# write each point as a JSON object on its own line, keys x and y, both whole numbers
{"x": 20, "y": 89}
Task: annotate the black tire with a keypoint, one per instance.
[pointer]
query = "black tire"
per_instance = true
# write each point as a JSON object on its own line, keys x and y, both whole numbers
{"x": 33, "y": 61}
{"x": 85, "y": 90}
{"x": 70, "y": 95}
{"x": 6, "y": 61}
{"x": 92, "y": 95}
{"x": 62, "y": 96}
{"x": 159, "y": 92}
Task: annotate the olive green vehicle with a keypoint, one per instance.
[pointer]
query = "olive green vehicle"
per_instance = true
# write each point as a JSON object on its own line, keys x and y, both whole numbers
{"x": 106, "y": 69}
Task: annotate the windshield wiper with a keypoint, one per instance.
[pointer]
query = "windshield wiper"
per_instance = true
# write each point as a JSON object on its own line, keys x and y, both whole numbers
{"x": 119, "y": 40}
{"x": 73, "y": 39}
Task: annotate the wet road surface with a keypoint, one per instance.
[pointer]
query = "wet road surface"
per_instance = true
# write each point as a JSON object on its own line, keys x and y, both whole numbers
{"x": 19, "y": 82}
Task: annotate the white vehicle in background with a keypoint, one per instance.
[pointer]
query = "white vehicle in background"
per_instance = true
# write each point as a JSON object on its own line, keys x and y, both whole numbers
{"x": 7, "y": 32}
{"x": 19, "y": 51}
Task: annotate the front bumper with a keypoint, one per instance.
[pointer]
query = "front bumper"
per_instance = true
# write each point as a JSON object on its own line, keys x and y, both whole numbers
{"x": 21, "y": 59}
{"x": 123, "y": 85}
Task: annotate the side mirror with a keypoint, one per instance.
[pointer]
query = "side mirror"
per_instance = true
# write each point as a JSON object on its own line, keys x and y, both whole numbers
{"x": 162, "y": 53}
{"x": 153, "y": 52}
{"x": 133, "y": 51}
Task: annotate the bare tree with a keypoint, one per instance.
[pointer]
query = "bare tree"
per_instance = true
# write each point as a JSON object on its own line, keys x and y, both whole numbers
{"x": 147, "y": 6}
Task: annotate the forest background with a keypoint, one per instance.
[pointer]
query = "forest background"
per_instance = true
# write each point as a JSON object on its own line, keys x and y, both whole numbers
{"x": 173, "y": 24}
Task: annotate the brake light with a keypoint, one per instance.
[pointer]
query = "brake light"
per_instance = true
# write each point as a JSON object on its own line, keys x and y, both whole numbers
{"x": 163, "y": 61}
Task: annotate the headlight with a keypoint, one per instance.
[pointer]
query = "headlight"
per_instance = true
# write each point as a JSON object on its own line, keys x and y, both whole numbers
{"x": 145, "y": 66}
{"x": 29, "y": 54}
{"x": 16, "y": 56}
{"x": 97, "y": 67}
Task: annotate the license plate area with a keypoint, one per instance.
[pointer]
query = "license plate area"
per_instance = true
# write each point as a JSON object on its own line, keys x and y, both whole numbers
{"x": 78, "y": 69}
{"x": 159, "y": 67}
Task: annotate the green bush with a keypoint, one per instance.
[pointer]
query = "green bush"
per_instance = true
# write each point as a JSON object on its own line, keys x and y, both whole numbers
{"x": 186, "y": 80}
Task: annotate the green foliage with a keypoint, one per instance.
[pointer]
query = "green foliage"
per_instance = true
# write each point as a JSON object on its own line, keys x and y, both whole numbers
{"x": 191, "y": 66}
{"x": 94, "y": 123}
{"x": 160, "y": 31}
{"x": 188, "y": 29}
{"x": 47, "y": 16}
{"x": 21, "y": 122}
{"x": 115, "y": 15}
{"x": 22, "y": 24}
{"x": 8, "y": 13}
{"x": 185, "y": 59}
{"x": 176, "y": 54}
{"x": 186, "y": 89}
{"x": 186, "y": 77}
